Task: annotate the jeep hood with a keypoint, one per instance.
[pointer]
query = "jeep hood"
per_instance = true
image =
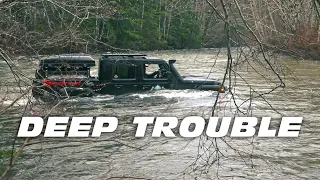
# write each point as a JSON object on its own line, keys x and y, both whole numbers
{"x": 199, "y": 79}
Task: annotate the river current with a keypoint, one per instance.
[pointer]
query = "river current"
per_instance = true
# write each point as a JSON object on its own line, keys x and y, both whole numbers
{"x": 120, "y": 154}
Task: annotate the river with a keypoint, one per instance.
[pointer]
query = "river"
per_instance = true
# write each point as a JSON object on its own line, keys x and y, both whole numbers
{"x": 119, "y": 154}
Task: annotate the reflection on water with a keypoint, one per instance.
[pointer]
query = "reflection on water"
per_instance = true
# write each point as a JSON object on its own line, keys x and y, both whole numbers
{"x": 120, "y": 154}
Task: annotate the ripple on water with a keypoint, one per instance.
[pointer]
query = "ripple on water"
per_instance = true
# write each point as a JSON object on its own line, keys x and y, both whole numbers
{"x": 167, "y": 158}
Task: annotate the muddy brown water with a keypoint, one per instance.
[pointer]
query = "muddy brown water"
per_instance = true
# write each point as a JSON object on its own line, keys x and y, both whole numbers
{"x": 119, "y": 154}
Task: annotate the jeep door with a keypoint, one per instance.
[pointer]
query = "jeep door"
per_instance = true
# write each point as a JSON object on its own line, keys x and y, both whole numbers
{"x": 124, "y": 77}
{"x": 155, "y": 74}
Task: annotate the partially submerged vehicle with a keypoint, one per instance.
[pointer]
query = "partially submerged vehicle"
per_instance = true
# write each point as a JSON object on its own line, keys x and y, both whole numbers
{"x": 117, "y": 74}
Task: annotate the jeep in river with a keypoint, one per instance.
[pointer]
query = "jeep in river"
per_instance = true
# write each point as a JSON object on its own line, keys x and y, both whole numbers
{"x": 117, "y": 74}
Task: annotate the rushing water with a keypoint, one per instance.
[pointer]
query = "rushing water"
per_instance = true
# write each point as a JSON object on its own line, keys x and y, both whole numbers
{"x": 119, "y": 154}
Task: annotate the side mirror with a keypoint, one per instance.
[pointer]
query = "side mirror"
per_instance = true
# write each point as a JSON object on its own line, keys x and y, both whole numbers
{"x": 172, "y": 61}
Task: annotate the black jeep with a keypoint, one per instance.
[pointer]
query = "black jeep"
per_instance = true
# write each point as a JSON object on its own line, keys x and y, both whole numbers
{"x": 118, "y": 74}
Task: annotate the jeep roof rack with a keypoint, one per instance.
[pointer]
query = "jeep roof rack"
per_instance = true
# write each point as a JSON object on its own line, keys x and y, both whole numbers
{"x": 115, "y": 54}
{"x": 82, "y": 60}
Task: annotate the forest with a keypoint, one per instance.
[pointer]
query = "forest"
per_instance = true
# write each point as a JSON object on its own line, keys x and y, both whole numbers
{"x": 248, "y": 40}
{"x": 57, "y": 26}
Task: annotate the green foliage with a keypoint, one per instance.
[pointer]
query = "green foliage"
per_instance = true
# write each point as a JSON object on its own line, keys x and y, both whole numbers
{"x": 136, "y": 26}
{"x": 99, "y": 25}
{"x": 145, "y": 25}
{"x": 4, "y": 157}
{"x": 5, "y": 153}
{"x": 51, "y": 27}
{"x": 185, "y": 33}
